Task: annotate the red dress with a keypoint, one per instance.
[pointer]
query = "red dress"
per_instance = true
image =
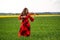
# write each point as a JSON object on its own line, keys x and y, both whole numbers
{"x": 25, "y": 25}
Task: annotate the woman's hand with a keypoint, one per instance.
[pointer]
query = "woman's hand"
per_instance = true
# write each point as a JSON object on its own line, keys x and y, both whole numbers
{"x": 23, "y": 16}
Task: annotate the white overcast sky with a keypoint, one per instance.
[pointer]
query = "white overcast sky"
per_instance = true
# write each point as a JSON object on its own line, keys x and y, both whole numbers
{"x": 16, "y": 6}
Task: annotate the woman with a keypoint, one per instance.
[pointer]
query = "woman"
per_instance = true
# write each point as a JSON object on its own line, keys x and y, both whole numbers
{"x": 25, "y": 25}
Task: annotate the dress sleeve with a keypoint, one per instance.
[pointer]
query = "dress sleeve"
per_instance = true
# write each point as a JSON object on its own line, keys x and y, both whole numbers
{"x": 31, "y": 18}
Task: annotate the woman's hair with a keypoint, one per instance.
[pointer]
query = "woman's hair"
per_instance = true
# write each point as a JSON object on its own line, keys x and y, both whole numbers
{"x": 24, "y": 12}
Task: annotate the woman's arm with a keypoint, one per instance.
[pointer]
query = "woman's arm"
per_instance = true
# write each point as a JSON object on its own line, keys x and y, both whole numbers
{"x": 31, "y": 18}
{"x": 20, "y": 17}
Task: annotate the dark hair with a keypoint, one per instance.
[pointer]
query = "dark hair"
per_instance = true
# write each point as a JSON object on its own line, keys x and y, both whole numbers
{"x": 24, "y": 12}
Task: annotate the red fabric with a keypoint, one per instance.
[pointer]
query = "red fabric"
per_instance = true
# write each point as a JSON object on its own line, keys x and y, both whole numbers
{"x": 25, "y": 25}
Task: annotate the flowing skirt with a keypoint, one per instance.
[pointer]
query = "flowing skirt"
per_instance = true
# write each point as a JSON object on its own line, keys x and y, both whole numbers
{"x": 25, "y": 30}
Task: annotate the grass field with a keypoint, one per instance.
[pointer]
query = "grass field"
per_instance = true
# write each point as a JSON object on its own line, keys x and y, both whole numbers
{"x": 43, "y": 28}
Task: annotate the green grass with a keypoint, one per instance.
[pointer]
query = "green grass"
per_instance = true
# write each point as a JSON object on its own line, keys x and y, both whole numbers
{"x": 43, "y": 28}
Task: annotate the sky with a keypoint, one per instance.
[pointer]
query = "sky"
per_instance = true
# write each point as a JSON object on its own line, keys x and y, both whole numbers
{"x": 16, "y": 6}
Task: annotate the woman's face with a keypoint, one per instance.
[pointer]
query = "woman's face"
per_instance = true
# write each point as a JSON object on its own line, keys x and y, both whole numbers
{"x": 25, "y": 11}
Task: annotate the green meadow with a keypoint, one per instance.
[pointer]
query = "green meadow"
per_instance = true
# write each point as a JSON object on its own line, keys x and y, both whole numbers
{"x": 43, "y": 28}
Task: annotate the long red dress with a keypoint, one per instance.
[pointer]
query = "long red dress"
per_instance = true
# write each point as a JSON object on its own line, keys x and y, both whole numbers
{"x": 25, "y": 25}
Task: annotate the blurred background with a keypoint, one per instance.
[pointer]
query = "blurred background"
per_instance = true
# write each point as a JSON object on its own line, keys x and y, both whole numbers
{"x": 35, "y": 6}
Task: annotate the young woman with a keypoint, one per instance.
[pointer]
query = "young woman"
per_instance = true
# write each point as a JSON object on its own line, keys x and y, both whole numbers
{"x": 25, "y": 24}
